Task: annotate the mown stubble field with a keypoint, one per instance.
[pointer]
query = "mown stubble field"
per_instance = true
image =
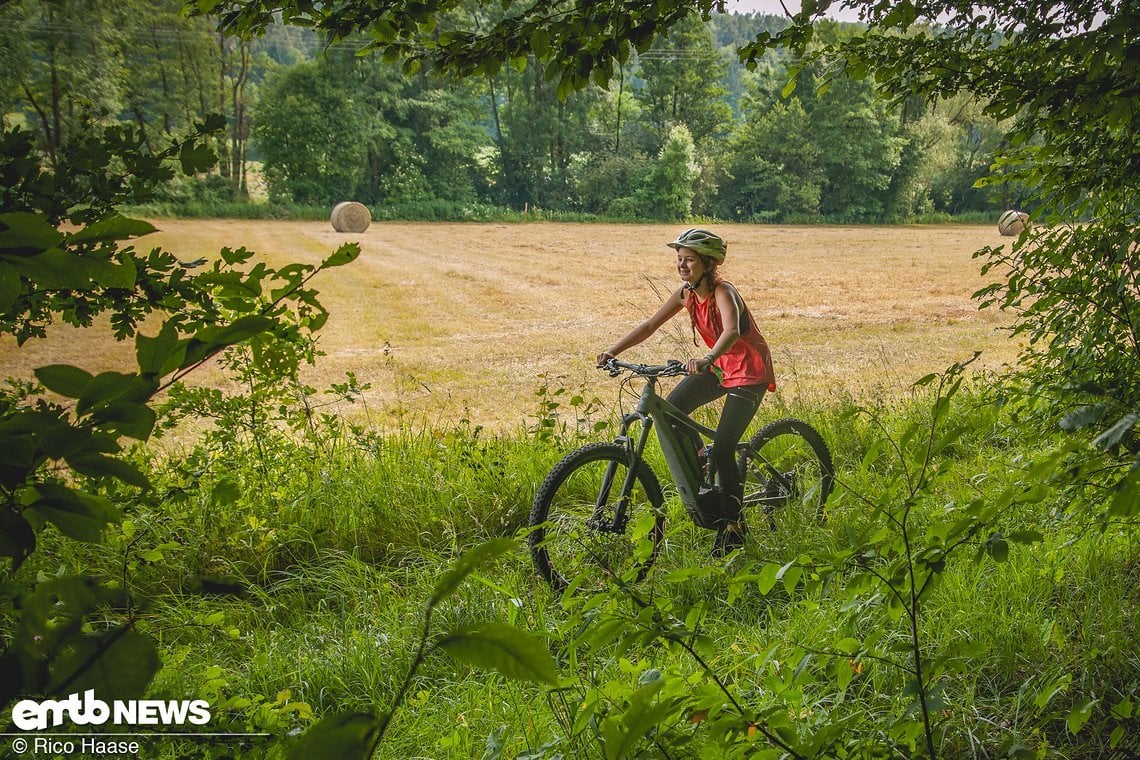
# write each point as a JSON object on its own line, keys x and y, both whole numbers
{"x": 450, "y": 320}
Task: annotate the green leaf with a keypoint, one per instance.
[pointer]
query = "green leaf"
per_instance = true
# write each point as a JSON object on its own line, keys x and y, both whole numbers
{"x": 197, "y": 349}
{"x": 113, "y": 228}
{"x": 127, "y": 418}
{"x": 103, "y": 466}
{"x": 1058, "y": 686}
{"x": 345, "y": 736}
{"x": 64, "y": 379}
{"x": 116, "y": 664}
{"x": 9, "y": 286}
{"x": 601, "y": 77}
{"x": 110, "y": 275}
{"x": 241, "y": 329}
{"x": 465, "y": 565}
{"x": 540, "y": 43}
{"x": 214, "y": 122}
{"x": 644, "y": 712}
{"x": 1082, "y": 417}
{"x": 1026, "y": 536}
{"x": 104, "y": 387}
{"x": 225, "y": 493}
{"x": 791, "y": 578}
{"x": 66, "y": 596}
{"x": 161, "y": 354}
{"x": 1112, "y": 437}
{"x": 196, "y": 158}
{"x": 1080, "y": 714}
{"x": 25, "y": 234}
{"x": 997, "y": 547}
{"x": 17, "y": 539}
{"x": 1126, "y": 500}
{"x": 78, "y": 515}
{"x": 55, "y": 269}
{"x": 493, "y": 748}
{"x": 768, "y": 578}
{"x": 346, "y": 254}
{"x": 503, "y": 648}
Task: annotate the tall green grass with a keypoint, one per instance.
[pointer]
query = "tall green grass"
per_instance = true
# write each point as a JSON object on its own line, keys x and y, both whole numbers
{"x": 286, "y": 588}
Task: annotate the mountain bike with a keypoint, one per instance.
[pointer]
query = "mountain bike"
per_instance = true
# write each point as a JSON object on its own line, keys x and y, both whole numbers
{"x": 604, "y": 499}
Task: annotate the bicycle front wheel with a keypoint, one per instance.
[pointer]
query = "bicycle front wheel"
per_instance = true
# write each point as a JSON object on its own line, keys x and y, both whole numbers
{"x": 787, "y": 472}
{"x": 583, "y": 531}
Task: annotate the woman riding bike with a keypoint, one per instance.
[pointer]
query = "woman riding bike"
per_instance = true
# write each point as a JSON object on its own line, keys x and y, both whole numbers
{"x": 738, "y": 365}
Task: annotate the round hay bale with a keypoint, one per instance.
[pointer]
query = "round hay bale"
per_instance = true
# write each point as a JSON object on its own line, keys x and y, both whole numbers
{"x": 350, "y": 216}
{"x": 1012, "y": 223}
{"x": 334, "y": 216}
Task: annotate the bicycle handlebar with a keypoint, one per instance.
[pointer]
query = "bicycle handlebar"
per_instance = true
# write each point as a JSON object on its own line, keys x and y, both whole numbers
{"x": 670, "y": 369}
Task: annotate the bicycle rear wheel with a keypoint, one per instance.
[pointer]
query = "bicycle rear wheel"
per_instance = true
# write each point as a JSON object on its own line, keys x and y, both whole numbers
{"x": 577, "y": 536}
{"x": 787, "y": 473}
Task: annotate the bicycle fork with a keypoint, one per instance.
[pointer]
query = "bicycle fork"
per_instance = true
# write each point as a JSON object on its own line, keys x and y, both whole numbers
{"x": 597, "y": 521}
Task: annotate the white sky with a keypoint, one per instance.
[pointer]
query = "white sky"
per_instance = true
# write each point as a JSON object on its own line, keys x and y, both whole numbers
{"x": 773, "y": 8}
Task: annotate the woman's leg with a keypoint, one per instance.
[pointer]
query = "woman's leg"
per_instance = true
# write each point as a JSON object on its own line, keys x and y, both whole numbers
{"x": 739, "y": 408}
{"x": 692, "y": 392}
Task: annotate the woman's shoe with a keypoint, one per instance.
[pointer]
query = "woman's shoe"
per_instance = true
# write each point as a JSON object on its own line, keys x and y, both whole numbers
{"x": 729, "y": 538}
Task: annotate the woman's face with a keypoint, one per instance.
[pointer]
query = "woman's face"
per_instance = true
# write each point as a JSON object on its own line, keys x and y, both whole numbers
{"x": 690, "y": 265}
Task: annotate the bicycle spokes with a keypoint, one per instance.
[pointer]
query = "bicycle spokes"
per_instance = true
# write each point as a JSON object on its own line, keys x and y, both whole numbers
{"x": 591, "y": 524}
{"x": 787, "y": 472}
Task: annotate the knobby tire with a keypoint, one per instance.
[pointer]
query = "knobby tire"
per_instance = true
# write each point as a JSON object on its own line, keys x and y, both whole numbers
{"x": 567, "y": 549}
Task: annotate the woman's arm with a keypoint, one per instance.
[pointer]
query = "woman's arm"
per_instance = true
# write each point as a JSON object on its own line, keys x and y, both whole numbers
{"x": 668, "y": 310}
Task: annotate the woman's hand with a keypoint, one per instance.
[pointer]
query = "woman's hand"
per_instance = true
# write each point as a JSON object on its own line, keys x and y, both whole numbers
{"x": 696, "y": 366}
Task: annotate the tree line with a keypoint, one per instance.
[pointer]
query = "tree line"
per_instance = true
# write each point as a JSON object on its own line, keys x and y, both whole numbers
{"x": 682, "y": 129}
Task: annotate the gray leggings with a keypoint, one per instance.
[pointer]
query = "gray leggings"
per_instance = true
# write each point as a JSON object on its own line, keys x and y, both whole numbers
{"x": 739, "y": 409}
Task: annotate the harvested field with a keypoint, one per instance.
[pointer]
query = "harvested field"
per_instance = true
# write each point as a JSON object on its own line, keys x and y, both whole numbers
{"x": 470, "y": 319}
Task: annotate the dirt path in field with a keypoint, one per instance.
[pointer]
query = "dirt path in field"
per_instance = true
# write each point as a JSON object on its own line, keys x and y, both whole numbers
{"x": 470, "y": 319}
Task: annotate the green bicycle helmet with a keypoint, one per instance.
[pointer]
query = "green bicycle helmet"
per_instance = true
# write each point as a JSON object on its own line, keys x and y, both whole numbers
{"x": 703, "y": 242}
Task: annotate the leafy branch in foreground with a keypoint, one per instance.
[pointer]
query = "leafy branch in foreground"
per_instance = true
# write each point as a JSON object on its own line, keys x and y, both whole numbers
{"x": 63, "y": 255}
{"x": 495, "y": 646}
{"x": 575, "y": 43}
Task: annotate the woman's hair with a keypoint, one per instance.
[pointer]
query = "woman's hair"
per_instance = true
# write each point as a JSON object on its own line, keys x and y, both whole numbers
{"x": 710, "y": 275}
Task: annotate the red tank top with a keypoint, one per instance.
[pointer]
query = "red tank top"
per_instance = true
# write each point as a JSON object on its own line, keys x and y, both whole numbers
{"x": 749, "y": 361}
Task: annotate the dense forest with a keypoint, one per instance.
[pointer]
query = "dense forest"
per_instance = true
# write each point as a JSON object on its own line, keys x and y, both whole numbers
{"x": 682, "y": 129}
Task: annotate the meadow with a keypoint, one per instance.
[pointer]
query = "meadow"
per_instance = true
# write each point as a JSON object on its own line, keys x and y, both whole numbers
{"x": 467, "y": 320}
{"x": 283, "y": 571}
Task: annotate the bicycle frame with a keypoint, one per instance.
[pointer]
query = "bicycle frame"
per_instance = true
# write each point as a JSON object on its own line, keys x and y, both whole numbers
{"x": 655, "y": 412}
